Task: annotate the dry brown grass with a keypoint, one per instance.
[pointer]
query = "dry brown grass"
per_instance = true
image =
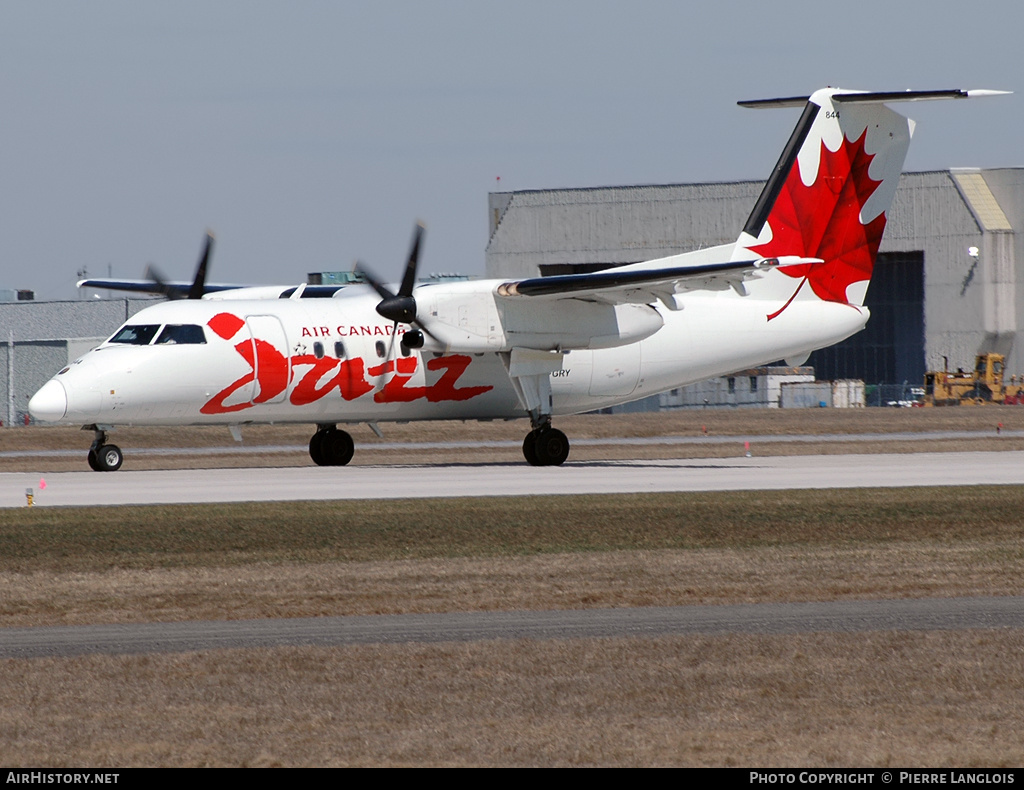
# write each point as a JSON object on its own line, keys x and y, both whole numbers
{"x": 873, "y": 699}
{"x": 558, "y": 581}
{"x": 67, "y": 540}
{"x": 136, "y": 564}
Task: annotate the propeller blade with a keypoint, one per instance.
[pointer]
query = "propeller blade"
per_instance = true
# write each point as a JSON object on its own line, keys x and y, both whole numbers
{"x": 199, "y": 282}
{"x": 160, "y": 284}
{"x": 409, "y": 280}
{"x": 400, "y": 307}
{"x": 376, "y": 283}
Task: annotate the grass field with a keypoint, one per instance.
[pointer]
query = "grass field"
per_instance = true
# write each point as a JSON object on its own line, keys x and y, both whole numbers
{"x": 64, "y": 566}
{"x": 925, "y": 699}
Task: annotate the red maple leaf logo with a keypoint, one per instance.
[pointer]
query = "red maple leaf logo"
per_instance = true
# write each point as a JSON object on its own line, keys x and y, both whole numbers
{"x": 823, "y": 221}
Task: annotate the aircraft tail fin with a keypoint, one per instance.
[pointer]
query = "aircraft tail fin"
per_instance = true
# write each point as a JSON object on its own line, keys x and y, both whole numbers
{"x": 829, "y": 194}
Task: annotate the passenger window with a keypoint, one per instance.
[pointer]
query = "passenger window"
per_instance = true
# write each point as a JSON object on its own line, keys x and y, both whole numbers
{"x": 181, "y": 334}
{"x": 381, "y": 349}
{"x": 318, "y": 350}
{"x": 339, "y": 350}
{"x": 135, "y": 334}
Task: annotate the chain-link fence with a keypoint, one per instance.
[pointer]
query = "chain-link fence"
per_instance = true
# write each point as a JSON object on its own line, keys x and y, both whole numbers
{"x": 904, "y": 394}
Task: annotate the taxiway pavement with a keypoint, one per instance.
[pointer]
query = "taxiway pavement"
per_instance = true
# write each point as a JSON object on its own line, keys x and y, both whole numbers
{"x": 469, "y": 480}
{"x": 768, "y": 618}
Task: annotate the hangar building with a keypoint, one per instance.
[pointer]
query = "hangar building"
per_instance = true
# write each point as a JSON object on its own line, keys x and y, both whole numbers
{"x": 946, "y": 283}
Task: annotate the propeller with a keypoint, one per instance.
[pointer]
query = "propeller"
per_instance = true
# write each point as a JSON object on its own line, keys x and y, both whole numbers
{"x": 400, "y": 308}
{"x": 198, "y": 287}
{"x": 199, "y": 281}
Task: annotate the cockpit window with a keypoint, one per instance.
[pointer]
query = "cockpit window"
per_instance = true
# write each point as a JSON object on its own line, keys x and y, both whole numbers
{"x": 135, "y": 334}
{"x": 182, "y": 333}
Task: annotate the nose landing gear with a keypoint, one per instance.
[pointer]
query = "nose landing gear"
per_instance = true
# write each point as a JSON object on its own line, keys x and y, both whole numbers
{"x": 104, "y": 457}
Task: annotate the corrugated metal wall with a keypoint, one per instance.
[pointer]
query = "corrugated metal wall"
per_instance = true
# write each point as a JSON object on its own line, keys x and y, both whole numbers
{"x": 55, "y": 320}
{"x": 612, "y": 225}
{"x": 46, "y": 336}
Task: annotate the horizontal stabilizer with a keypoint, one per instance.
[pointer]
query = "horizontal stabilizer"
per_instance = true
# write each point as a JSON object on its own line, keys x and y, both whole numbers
{"x": 871, "y": 97}
{"x": 765, "y": 104}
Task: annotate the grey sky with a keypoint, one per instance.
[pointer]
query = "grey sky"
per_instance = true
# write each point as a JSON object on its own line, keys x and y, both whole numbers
{"x": 307, "y": 134}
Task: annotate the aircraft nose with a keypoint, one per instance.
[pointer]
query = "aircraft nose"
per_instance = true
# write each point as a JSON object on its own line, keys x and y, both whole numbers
{"x": 50, "y": 404}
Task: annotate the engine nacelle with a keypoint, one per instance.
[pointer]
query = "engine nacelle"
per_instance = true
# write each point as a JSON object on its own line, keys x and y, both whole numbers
{"x": 474, "y": 325}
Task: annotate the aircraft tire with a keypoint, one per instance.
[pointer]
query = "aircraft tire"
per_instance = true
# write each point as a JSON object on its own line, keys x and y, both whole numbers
{"x": 552, "y": 447}
{"x": 94, "y": 463}
{"x": 530, "y": 449}
{"x": 109, "y": 458}
{"x": 338, "y": 447}
{"x": 316, "y": 448}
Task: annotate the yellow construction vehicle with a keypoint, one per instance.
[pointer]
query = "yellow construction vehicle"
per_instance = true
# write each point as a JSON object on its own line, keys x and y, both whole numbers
{"x": 984, "y": 385}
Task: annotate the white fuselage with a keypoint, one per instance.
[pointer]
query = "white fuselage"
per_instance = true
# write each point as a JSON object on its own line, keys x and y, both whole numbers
{"x": 332, "y": 361}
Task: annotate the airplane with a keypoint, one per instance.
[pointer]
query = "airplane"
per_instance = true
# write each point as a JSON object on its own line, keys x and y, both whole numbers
{"x": 794, "y": 281}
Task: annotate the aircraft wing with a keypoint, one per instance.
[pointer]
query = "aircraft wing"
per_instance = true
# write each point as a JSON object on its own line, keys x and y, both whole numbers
{"x": 178, "y": 288}
{"x": 630, "y": 285}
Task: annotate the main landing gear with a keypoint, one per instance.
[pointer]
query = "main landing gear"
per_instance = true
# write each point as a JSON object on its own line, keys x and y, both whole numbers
{"x": 104, "y": 457}
{"x": 530, "y": 373}
{"x": 330, "y": 446}
{"x": 545, "y": 446}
